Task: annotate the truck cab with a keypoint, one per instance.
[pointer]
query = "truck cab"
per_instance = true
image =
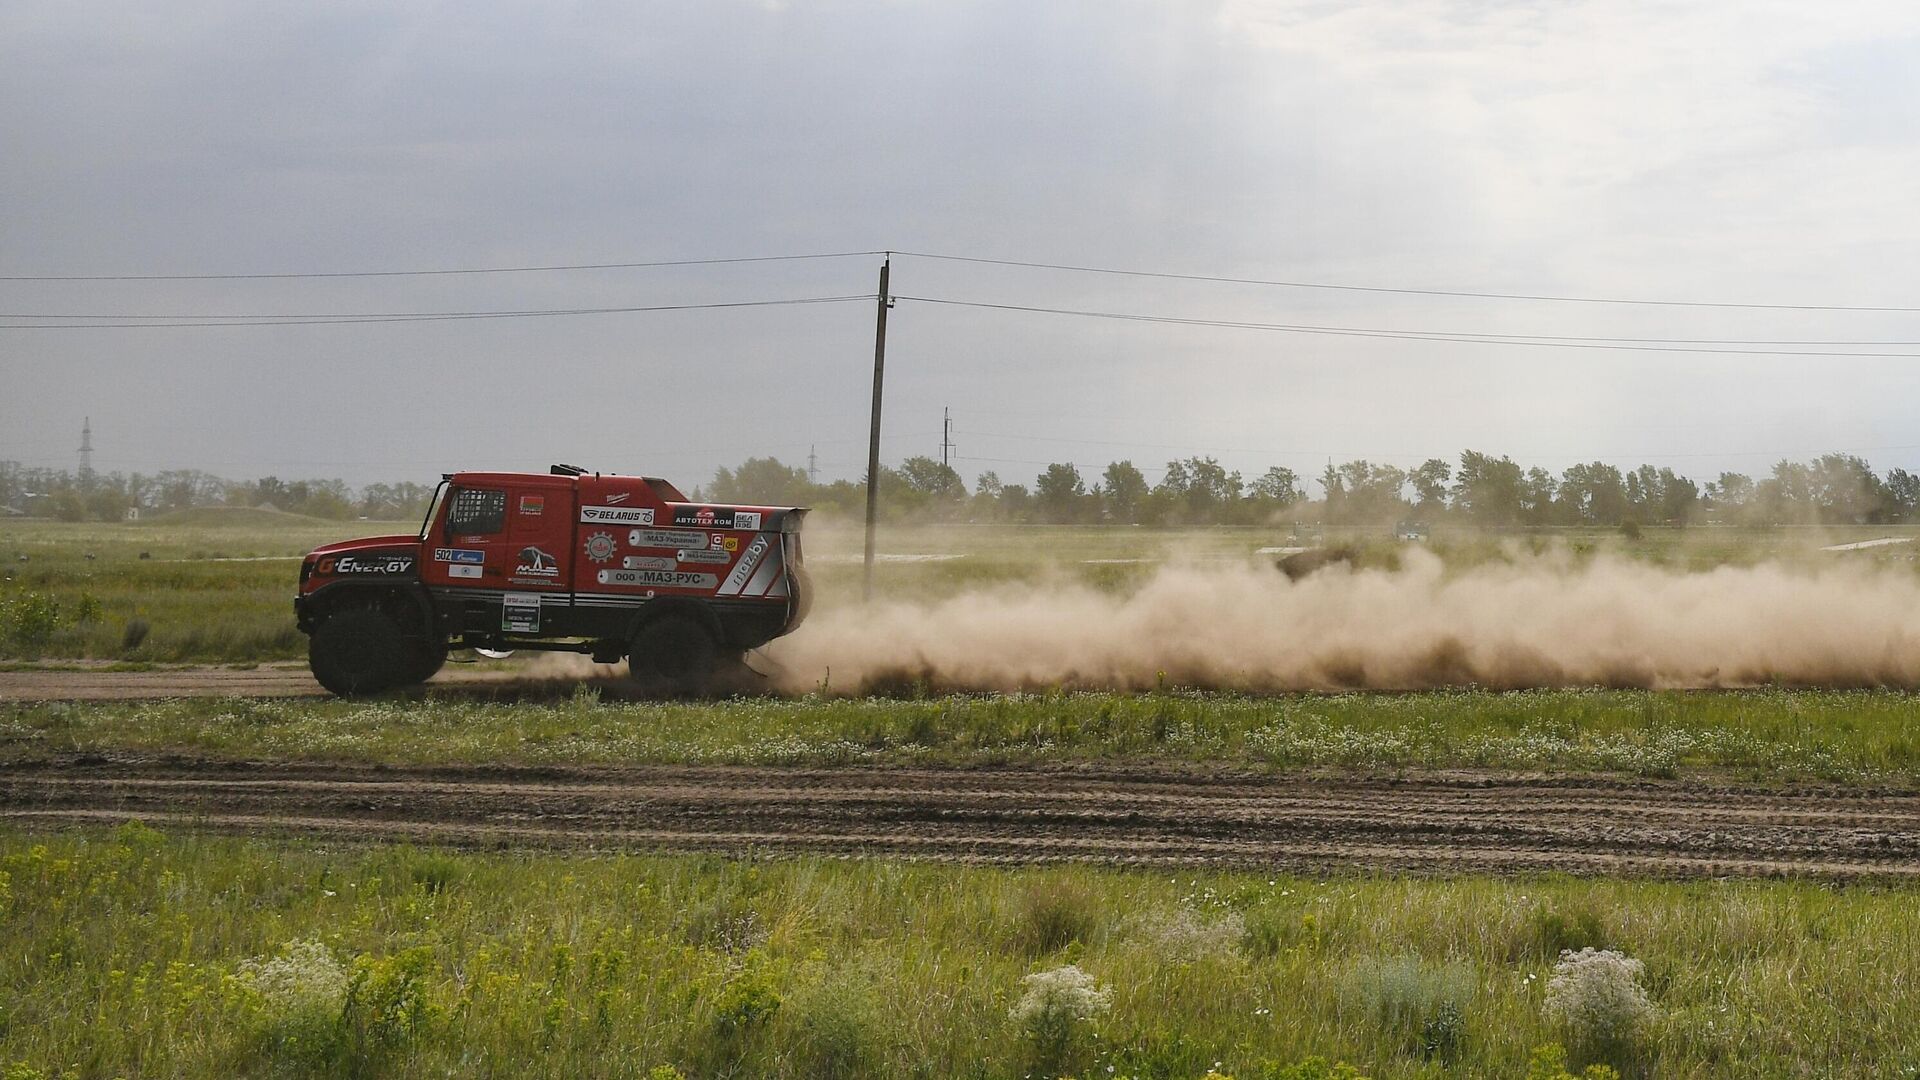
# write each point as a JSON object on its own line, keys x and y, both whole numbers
{"x": 567, "y": 560}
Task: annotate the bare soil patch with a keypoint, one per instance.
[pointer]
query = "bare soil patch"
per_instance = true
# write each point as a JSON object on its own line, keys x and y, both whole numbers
{"x": 1439, "y": 823}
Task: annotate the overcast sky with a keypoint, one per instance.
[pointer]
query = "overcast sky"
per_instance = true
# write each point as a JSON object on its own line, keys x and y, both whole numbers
{"x": 1742, "y": 151}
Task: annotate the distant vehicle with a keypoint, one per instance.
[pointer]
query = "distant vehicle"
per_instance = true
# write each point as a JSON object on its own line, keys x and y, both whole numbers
{"x": 1415, "y": 531}
{"x": 612, "y": 566}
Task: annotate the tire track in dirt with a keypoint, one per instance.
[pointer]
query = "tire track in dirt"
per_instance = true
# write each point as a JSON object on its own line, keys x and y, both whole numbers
{"x": 1129, "y": 816}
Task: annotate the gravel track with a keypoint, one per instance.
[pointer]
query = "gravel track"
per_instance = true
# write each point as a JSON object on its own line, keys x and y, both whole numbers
{"x": 1440, "y": 823}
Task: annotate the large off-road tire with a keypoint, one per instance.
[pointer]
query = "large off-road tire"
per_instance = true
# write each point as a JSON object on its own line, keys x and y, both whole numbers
{"x": 673, "y": 654}
{"x": 359, "y": 651}
{"x": 424, "y": 660}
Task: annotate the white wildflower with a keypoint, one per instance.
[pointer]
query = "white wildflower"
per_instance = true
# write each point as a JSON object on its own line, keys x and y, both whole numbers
{"x": 1186, "y": 934}
{"x": 304, "y": 980}
{"x": 1597, "y": 994}
{"x": 1063, "y": 994}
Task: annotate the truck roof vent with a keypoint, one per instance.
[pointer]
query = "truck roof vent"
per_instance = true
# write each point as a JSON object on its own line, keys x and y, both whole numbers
{"x": 567, "y": 470}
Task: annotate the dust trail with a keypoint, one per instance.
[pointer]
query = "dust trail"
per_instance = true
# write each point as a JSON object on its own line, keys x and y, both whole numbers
{"x": 1539, "y": 621}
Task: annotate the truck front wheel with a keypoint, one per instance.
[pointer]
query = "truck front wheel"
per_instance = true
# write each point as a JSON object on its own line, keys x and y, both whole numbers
{"x": 359, "y": 651}
{"x": 673, "y": 654}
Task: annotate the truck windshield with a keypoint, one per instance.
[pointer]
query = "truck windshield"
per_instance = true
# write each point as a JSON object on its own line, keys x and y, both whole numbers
{"x": 433, "y": 509}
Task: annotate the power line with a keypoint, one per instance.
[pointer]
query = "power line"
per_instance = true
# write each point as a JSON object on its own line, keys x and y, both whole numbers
{"x": 395, "y": 317}
{"x": 436, "y": 273}
{"x": 1389, "y": 334}
{"x": 1400, "y": 291}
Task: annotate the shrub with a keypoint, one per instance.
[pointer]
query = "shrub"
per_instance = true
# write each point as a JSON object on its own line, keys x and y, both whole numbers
{"x": 302, "y": 996}
{"x": 1550, "y": 1063}
{"x": 1186, "y": 934}
{"x": 87, "y": 609}
{"x": 29, "y": 619}
{"x": 1054, "y": 912}
{"x": 1052, "y": 1011}
{"x": 1416, "y": 1004}
{"x": 1596, "y": 995}
{"x": 134, "y": 635}
{"x": 832, "y": 1024}
{"x": 1549, "y": 933}
{"x": 1309, "y": 1069}
{"x": 387, "y": 1002}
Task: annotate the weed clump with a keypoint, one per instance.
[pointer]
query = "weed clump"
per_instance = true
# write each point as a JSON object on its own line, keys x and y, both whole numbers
{"x": 1417, "y": 1005}
{"x": 1596, "y": 995}
{"x": 1056, "y": 1006}
{"x": 1186, "y": 934}
{"x": 1053, "y": 913}
{"x": 299, "y": 999}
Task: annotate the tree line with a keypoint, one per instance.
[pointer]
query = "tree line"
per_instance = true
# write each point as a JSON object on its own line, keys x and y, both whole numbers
{"x": 56, "y": 493}
{"x": 1478, "y": 488}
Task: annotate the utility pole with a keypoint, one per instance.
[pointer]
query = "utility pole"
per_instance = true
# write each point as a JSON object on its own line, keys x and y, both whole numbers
{"x": 946, "y": 433}
{"x": 86, "y": 454}
{"x": 873, "y": 434}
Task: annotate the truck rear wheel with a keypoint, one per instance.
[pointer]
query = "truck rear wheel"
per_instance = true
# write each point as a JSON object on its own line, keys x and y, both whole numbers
{"x": 359, "y": 651}
{"x": 673, "y": 654}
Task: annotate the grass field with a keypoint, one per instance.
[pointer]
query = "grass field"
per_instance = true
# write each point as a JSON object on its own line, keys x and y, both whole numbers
{"x": 133, "y": 952}
{"x": 217, "y": 585}
{"x": 1766, "y": 736}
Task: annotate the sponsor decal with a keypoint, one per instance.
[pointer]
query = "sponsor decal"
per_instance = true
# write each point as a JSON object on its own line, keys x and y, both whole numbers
{"x": 746, "y": 519}
{"x": 705, "y": 555}
{"x": 533, "y": 505}
{"x": 520, "y": 613}
{"x": 749, "y": 560}
{"x": 666, "y": 538}
{"x": 616, "y": 500}
{"x": 703, "y": 517}
{"x": 675, "y": 579}
{"x": 464, "y": 570}
{"x": 536, "y": 563}
{"x": 458, "y": 555}
{"x": 616, "y": 515}
{"x": 647, "y": 562}
{"x": 601, "y": 546}
{"x": 368, "y": 565}
{"x": 730, "y": 543}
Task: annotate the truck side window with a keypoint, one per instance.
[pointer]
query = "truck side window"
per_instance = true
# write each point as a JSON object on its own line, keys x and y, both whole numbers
{"x": 477, "y": 512}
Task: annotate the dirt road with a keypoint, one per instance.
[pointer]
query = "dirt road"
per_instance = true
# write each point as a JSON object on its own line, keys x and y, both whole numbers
{"x": 91, "y": 683}
{"x": 1121, "y": 816}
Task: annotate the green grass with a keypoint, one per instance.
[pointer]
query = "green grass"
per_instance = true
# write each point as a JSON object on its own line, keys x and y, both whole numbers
{"x": 1766, "y": 736}
{"x": 216, "y": 586}
{"x": 126, "y": 953}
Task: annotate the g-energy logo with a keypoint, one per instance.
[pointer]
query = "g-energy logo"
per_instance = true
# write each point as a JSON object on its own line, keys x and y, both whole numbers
{"x": 368, "y": 565}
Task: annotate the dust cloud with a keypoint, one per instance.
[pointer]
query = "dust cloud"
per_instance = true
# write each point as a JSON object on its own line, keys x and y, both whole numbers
{"x": 1534, "y": 621}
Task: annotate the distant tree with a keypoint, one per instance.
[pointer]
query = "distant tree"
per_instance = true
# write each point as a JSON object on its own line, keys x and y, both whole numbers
{"x": 1430, "y": 481}
{"x": 1902, "y": 495}
{"x": 1487, "y": 489}
{"x": 1593, "y": 494}
{"x": 1016, "y": 503}
{"x": 1537, "y": 489}
{"x": 1731, "y": 498}
{"x": 1058, "y": 494}
{"x": 1277, "y": 489}
{"x": 1122, "y": 490}
{"x": 762, "y": 482}
{"x": 940, "y": 482}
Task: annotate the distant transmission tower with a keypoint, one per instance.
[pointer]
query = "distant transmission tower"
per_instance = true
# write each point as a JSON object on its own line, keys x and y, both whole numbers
{"x": 946, "y": 433}
{"x": 813, "y": 466}
{"x": 86, "y": 453}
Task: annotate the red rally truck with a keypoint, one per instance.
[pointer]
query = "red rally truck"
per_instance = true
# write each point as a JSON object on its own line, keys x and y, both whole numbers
{"x": 613, "y": 566}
